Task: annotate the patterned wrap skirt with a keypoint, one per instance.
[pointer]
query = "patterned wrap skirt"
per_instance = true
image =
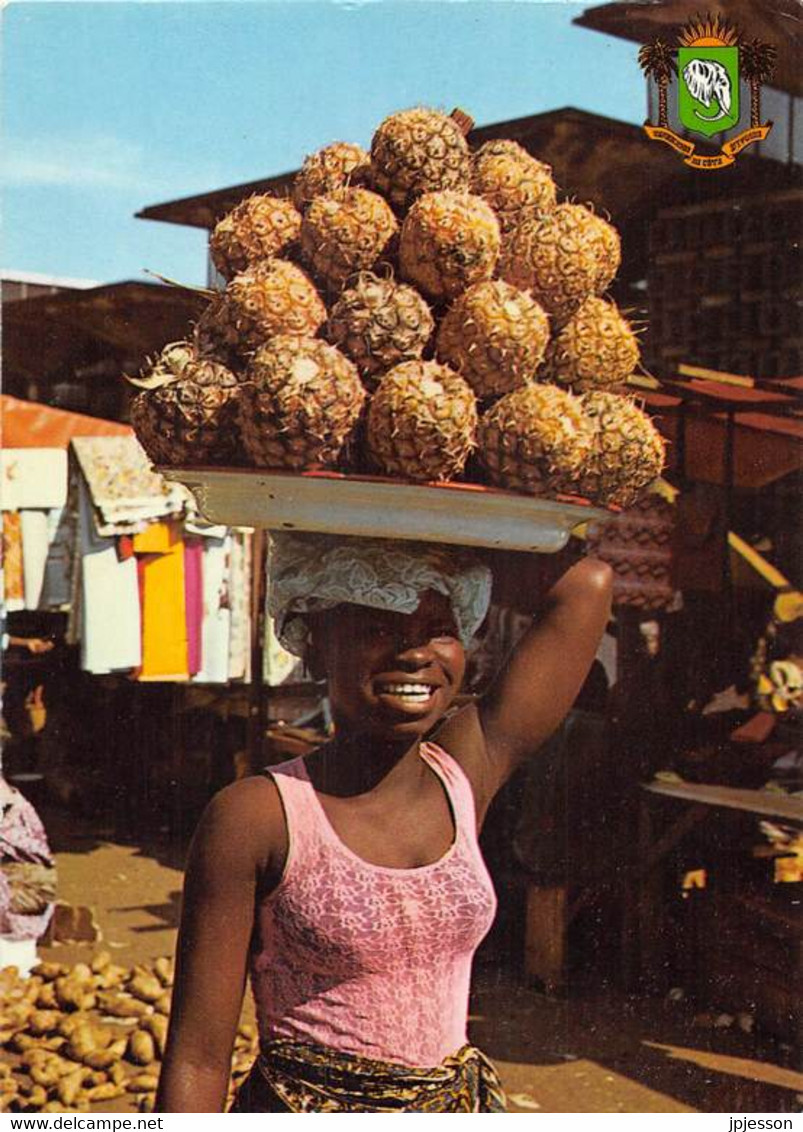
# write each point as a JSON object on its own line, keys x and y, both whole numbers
{"x": 303, "y": 1077}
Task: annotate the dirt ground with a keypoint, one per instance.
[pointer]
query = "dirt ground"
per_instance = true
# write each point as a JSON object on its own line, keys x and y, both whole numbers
{"x": 596, "y": 1050}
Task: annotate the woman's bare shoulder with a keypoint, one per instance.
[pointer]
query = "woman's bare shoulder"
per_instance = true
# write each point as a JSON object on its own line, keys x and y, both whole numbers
{"x": 246, "y": 818}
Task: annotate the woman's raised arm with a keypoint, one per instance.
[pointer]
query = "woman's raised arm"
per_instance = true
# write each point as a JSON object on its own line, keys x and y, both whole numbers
{"x": 542, "y": 677}
{"x": 241, "y": 830}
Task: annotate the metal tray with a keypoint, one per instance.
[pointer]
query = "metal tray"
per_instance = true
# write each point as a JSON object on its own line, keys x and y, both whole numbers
{"x": 459, "y": 513}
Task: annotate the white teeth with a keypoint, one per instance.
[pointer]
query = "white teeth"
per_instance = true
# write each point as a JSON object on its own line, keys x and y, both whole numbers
{"x": 413, "y": 691}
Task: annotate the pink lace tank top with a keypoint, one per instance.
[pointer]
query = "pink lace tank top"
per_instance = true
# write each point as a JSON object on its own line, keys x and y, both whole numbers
{"x": 364, "y": 958}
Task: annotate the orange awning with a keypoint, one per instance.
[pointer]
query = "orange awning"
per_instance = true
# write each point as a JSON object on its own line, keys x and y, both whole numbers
{"x": 27, "y": 424}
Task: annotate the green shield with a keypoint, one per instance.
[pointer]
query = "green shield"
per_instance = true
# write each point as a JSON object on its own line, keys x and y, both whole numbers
{"x": 708, "y": 89}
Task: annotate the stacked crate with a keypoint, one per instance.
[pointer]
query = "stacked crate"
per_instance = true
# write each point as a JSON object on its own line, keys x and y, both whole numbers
{"x": 637, "y": 545}
{"x": 723, "y": 286}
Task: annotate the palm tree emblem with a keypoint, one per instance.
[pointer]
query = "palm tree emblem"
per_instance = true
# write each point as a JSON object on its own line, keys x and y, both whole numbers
{"x": 758, "y": 65}
{"x": 657, "y": 60}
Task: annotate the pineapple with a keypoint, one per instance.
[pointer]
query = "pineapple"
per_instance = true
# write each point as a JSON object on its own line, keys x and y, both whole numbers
{"x": 536, "y": 439}
{"x": 448, "y": 241}
{"x": 187, "y": 410}
{"x": 258, "y": 228}
{"x": 301, "y": 401}
{"x": 495, "y": 336}
{"x": 610, "y": 251}
{"x": 340, "y": 165}
{"x": 563, "y": 257}
{"x": 628, "y": 452}
{"x": 271, "y": 297}
{"x": 596, "y": 348}
{"x": 380, "y": 323}
{"x": 422, "y": 421}
{"x": 418, "y": 151}
{"x": 345, "y": 232}
{"x": 513, "y": 182}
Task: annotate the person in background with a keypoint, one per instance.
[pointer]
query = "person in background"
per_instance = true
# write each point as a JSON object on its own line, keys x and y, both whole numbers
{"x": 36, "y": 646}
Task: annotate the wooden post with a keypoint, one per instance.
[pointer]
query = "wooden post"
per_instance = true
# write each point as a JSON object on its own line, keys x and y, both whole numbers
{"x": 728, "y": 477}
{"x": 257, "y": 711}
{"x": 463, "y": 120}
{"x": 545, "y": 935}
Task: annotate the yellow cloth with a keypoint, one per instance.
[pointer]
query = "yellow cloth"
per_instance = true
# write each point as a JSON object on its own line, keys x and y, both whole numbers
{"x": 157, "y": 538}
{"x": 164, "y": 618}
{"x": 13, "y": 574}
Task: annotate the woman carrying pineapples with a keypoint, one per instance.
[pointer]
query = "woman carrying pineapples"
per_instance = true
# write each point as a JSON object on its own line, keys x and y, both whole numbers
{"x": 349, "y": 884}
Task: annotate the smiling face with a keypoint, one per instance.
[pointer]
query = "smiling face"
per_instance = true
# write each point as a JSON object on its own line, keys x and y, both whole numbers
{"x": 390, "y": 674}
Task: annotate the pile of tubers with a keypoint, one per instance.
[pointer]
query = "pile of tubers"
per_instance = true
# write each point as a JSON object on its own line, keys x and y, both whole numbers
{"x": 71, "y": 1037}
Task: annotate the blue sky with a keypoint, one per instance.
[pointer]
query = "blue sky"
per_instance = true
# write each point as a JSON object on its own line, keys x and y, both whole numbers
{"x": 108, "y": 107}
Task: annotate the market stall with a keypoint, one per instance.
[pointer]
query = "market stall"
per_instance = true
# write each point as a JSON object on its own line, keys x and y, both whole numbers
{"x": 95, "y": 539}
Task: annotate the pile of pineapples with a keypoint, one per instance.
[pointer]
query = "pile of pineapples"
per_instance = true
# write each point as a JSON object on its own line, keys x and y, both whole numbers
{"x": 419, "y": 311}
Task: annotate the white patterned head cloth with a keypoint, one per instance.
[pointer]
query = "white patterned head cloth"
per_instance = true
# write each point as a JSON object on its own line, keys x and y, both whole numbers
{"x": 312, "y": 572}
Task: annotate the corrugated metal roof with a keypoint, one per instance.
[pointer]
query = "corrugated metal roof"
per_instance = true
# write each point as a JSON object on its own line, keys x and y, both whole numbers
{"x": 38, "y": 279}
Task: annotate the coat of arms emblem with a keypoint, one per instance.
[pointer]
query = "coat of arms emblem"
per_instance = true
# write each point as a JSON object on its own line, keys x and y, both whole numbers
{"x": 709, "y": 60}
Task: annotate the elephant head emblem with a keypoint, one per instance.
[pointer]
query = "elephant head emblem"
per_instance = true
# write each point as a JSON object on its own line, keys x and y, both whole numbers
{"x": 708, "y": 82}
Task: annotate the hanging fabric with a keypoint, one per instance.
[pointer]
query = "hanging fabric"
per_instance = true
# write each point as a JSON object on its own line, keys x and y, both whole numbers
{"x": 216, "y": 627}
{"x": 109, "y": 600}
{"x": 239, "y": 600}
{"x": 61, "y": 537}
{"x": 33, "y": 478}
{"x": 13, "y": 572}
{"x": 125, "y": 489}
{"x": 34, "y": 530}
{"x": 194, "y": 601}
{"x": 248, "y": 581}
{"x": 160, "y": 554}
